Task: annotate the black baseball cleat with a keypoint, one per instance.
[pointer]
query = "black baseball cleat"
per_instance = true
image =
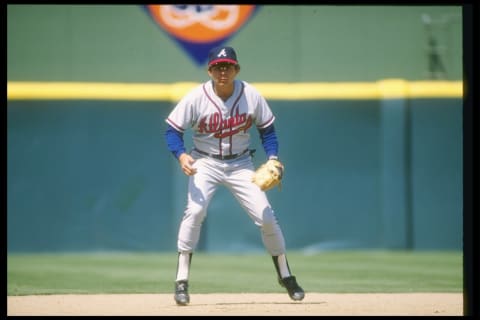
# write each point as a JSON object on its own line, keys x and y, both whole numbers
{"x": 294, "y": 290}
{"x": 181, "y": 293}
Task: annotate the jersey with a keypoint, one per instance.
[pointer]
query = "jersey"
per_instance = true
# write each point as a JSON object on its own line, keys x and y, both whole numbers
{"x": 221, "y": 127}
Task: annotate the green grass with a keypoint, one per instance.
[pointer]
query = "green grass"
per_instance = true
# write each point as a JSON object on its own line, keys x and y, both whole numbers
{"x": 332, "y": 272}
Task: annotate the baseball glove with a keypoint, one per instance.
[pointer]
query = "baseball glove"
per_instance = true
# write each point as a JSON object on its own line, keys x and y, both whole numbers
{"x": 269, "y": 175}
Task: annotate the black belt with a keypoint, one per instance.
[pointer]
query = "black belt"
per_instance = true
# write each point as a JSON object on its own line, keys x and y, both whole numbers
{"x": 219, "y": 157}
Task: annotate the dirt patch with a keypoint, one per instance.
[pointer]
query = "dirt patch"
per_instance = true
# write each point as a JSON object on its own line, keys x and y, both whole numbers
{"x": 408, "y": 304}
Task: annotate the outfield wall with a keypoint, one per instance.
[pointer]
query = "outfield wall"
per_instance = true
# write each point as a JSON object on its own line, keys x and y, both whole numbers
{"x": 383, "y": 170}
{"x": 370, "y": 163}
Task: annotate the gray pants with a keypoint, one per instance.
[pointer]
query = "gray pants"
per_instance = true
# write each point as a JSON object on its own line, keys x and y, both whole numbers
{"x": 236, "y": 175}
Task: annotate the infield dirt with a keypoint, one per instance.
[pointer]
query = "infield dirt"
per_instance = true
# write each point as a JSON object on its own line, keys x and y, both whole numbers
{"x": 348, "y": 304}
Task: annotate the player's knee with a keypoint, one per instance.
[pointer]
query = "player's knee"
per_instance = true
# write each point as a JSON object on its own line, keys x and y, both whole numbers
{"x": 270, "y": 227}
{"x": 269, "y": 221}
{"x": 195, "y": 213}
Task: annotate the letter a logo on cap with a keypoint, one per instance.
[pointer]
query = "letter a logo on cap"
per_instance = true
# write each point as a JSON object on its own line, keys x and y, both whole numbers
{"x": 222, "y": 53}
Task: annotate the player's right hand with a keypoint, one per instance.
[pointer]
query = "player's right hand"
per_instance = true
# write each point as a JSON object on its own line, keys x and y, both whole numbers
{"x": 186, "y": 162}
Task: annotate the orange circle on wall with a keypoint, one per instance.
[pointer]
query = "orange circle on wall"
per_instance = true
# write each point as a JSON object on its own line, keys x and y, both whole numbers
{"x": 201, "y": 23}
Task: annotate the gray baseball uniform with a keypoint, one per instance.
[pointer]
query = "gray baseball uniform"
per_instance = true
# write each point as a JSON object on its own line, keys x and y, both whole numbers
{"x": 221, "y": 113}
{"x": 221, "y": 128}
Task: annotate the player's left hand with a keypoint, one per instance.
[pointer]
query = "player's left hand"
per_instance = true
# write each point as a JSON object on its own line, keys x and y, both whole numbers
{"x": 269, "y": 174}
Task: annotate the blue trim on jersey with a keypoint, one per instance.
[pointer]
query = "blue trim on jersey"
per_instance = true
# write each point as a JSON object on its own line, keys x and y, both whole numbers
{"x": 175, "y": 141}
{"x": 269, "y": 140}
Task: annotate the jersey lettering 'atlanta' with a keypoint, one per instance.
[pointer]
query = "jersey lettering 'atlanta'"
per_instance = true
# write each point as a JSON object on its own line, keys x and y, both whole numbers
{"x": 221, "y": 127}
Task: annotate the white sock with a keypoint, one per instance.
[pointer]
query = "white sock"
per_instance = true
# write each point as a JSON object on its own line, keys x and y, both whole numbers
{"x": 183, "y": 266}
{"x": 283, "y": 266}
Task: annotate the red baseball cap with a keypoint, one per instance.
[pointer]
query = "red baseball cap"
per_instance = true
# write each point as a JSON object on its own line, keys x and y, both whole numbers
{"x": 222, "y": 54}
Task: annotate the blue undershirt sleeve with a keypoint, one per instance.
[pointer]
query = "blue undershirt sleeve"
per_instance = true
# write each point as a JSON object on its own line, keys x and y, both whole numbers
{"x": 175, "y": 141}
{"x": 269, "y": 141}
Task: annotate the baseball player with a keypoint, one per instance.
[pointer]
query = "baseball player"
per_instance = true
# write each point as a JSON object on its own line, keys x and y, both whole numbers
{"x": 221, "y": 111}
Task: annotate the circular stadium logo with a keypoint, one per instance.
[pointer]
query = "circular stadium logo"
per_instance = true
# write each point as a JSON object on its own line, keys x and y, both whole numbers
{"x": 201, "y": 23}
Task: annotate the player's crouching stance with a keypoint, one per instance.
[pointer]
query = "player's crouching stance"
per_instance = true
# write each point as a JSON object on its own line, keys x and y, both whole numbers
{"x": 220, "y": 113}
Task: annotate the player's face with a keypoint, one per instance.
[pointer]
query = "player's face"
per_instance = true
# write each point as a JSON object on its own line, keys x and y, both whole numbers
{"x": 223, "y": 73}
